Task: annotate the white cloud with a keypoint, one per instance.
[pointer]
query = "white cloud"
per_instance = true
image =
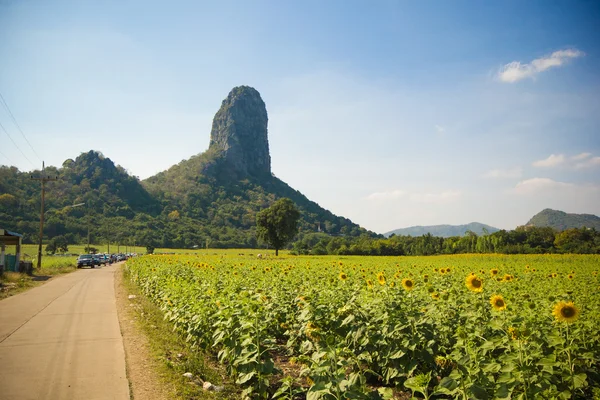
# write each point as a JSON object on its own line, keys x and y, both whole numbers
{"x": 515, "y": 71}
{"x": 590, "y": 162}
{"x": 581, "y": 156}
{"x": 440, "y": 129}
{"x": 515, "y": 172}
{"x": 536, "y": 185}
{"x": 579, "y": 161}
{"x": 551, "y": 161}
{"x": 388, "y": 195}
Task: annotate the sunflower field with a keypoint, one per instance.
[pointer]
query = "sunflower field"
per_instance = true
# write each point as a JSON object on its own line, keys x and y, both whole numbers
{"x": 447, "y": 327}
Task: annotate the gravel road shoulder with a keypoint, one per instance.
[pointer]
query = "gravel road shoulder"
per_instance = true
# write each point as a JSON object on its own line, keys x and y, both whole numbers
{"x": 142, "y": 368}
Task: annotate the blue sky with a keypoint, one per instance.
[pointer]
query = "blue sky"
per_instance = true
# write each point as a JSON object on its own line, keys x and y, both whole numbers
{"x": 390, "y": 113}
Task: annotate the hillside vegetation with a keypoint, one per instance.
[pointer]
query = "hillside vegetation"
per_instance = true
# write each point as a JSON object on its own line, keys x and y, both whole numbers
{"x": 560, "y": 220}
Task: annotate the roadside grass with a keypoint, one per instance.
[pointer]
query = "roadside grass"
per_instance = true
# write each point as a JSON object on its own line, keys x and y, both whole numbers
{"x": 12, "y": 283}
{"x": 176, "y": 356}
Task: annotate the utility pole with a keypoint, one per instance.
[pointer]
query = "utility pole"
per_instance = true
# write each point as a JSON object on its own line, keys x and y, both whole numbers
{"x": 88, "y": 226}
{"x": 43, "y": 179}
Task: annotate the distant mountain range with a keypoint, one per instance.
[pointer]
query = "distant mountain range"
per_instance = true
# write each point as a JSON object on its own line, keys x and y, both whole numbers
{"x": 443, "y": 230}
{"x": 558, "y": 220}
{"x": 561, "y": 220}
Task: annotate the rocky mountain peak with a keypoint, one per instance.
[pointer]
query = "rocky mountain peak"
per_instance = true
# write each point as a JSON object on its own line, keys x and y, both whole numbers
{"x": 239, "y": 132}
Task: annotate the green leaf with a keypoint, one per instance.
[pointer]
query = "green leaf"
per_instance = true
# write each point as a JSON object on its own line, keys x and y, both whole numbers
{"x": 446, "y": 386}
{"x": 243, "y": 378}
{"x": 502, "y": 391}
{"x": 579, "y": 380}
{"x": 555, "y": 340}
{"x": 418, "y": 383}
{"x": 492, "y": 368}
{"x": 396, "y": 355}
{"x": 352, "y": 394}
{"x": 479, "y": 392}
{"x": 348, "y": 319}
{"x": 549, "y": 361}
{"x": 317, "y": 391}
{"x": 506, "y": 377}
{"x": 566, "y": 395}
{"x": 386, "y": 393}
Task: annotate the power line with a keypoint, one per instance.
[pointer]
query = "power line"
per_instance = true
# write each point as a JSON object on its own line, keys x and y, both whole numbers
{"x": 17, "y": 125}
{"x": 18, "y": 148}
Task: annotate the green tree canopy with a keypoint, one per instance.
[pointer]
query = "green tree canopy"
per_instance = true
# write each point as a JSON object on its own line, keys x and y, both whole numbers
{"x": 278, "y": 224}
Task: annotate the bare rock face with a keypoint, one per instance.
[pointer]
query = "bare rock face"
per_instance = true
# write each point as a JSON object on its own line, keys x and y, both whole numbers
{"x": 239, "y": 132}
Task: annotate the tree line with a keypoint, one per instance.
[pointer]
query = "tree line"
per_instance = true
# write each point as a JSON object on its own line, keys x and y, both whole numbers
{"x": 523, "y": 240}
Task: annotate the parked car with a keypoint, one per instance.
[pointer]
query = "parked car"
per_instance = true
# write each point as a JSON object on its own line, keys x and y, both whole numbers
{"x": 97, "y": 259}
{"x": 87, "y": 260}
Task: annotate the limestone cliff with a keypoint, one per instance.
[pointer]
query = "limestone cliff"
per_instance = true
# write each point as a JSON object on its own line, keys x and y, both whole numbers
{"x": 239, "y": 133}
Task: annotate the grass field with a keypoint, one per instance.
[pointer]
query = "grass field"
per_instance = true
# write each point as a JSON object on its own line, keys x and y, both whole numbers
{"x": 31, "y": 250}
{"x": 13, "y": 282}
{"x": 468, "y": 326}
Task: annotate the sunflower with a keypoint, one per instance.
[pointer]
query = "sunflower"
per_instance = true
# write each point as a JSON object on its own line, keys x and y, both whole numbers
{"x": 570, "y": 276}
{"x": 381, "y": 278}
{"x": 565, "y": 312}
{"x": 369, "y": 284}
{"x": 497, "y": 302}
{"x": 312, "y": 331}
{"x": 430, "y": 289}
{"x": 442, "y": 271}
{"x": 408, "y": 284}
{"x": 494, "y": 271}
{"x": 343, "y": 276}
{"x": 392, "y": 284}
{"x": 435, "y": 296}
{"x": 554, "y": 275}
{"x": 474, "y": 283}
{"x": 508, "y": 278}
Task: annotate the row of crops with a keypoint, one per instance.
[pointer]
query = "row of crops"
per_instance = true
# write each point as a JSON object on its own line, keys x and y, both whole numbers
{"x": 464, "y": 327}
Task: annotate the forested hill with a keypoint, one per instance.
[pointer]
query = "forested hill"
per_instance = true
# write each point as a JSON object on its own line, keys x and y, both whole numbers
{"x": 211, "y": 198}
{"x": 228, "y": 184}
{"x": 560, "y": 220}
{"x": 444, "y": 230}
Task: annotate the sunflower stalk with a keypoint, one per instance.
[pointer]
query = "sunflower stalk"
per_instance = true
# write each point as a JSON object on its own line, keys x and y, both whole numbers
{"x": 569, "y": 359}
{"x": 523, "y": 370}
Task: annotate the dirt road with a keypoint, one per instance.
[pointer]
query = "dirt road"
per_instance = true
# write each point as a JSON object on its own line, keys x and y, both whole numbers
{"x": 62, "y": 340}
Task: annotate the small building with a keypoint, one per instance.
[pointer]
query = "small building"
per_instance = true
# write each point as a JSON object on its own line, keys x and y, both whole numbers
{"x": 9, "y": 262}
